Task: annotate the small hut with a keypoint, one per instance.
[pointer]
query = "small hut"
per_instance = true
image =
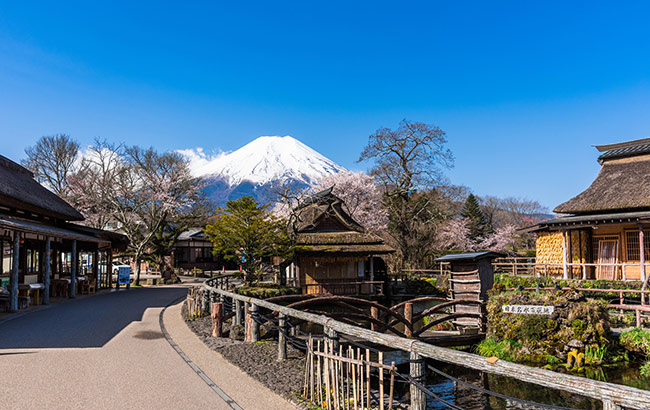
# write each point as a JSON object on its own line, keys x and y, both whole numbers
{"x": 335, "y": 254}
{"x": 604, "y": 231}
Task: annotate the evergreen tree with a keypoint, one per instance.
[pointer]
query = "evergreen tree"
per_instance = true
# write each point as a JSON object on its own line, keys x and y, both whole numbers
{"x": 477, "y": 223}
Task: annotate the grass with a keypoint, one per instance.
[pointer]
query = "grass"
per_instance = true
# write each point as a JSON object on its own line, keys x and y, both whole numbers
{"x": 595, "y": 355}
{"x": 636, "y": 340}
{"x": 503, "y": 349}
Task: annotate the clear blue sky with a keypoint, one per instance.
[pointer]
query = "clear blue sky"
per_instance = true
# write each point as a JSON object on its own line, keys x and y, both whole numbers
{"x": 521, "y": 89}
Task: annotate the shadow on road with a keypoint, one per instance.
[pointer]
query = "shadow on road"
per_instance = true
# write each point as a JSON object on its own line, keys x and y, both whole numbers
{"x": 87, "y": 322}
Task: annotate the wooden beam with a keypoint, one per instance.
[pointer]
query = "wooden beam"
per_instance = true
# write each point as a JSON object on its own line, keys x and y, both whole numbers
{"x": 565, "y": 274}
{"x": 13, "y": 281}
{"x": 48, "y": 272}
{"x": 73, "y": 270}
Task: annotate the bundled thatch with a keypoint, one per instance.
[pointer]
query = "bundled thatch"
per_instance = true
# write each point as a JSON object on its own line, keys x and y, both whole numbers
{"x": 19, "y": 190}
{"x": 623, "y": 184}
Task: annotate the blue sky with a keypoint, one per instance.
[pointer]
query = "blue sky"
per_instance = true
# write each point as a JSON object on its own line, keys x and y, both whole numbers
{"x": 522, "y": 89}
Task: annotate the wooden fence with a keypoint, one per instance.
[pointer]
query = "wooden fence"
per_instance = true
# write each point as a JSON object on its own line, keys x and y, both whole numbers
{"x": 613, "y": 396}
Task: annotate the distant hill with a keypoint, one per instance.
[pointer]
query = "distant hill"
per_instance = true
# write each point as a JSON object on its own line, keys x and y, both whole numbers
{"x": 258, "y": 166}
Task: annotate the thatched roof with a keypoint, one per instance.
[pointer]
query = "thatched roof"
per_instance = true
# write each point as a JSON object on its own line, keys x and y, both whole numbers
{"x": 325, "y": 227}
{"x": 622, "y": 185}
{"x": 343, "y": 242}
{"x": 19, "y": 190}
{"x": 323, "y": 212}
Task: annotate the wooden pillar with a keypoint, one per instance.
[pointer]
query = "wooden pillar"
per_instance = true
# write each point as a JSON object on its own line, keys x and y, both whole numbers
{"x": 109, "y": 267}
{"x": 282, "y": 338}
{"x": 96, "y": 266}
{"x": 73, "y": 270}
{"x": 642, "y": 253}
{"x": 13, "y": 282}
{"x": 417, "y": 372}
{"x": 565, "y": 274}
{"x": 408, "y": 315}
{"x": 48, "y": 271}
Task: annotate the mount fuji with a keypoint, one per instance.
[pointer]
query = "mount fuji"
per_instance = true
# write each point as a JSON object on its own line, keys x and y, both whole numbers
{"x": 259, "y": 166}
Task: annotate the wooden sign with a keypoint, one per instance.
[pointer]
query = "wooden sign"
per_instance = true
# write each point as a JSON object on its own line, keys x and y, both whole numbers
{"x": 528, "y": 309}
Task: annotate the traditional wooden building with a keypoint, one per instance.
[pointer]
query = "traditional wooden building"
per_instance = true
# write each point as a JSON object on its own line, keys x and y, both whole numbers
{"x": 43, "y": 251}
{"x": 193, "y": 250}
{"x": 604, "y": 231}
{"x": 335, "y": 255}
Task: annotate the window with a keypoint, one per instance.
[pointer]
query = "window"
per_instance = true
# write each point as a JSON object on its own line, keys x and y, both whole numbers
{"x": 633, "y": 252}
{"x": 33, "y": 261}
{"x": 596, "y": 239}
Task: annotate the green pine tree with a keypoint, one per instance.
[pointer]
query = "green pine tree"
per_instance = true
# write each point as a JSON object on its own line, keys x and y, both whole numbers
{"x": 478, "y": 226}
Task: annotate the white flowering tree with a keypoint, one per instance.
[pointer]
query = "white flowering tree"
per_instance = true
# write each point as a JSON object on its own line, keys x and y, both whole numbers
{"x": 456, "y": 234}
{"x": 361, "y": 196}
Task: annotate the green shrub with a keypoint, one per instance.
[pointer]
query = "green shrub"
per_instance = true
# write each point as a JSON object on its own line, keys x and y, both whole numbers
{"x": 423, "y": 287}
{"x": 645, "y": 369}
{"x": 636, "y": 340}
{"x": 267, "y": 290}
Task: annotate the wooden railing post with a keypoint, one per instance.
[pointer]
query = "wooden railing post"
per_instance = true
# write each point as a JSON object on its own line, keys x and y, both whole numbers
{"x": 333, "y": 338}
{"x": 282, "y": 338}
{"x": 238, "y": 315}
{"x": 610, "y": 405}
{"x": 217, "y": 319}
{"x": 408, "y": 315}
{"x": 247, "y": 321}
{"x": 205, "y": 301}
{"x": 417, "y": 372}
{"x": 254, "y": 326}
{"x": 374, "y": 313}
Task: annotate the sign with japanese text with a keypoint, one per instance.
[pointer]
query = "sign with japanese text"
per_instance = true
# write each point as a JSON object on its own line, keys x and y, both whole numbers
{"x": 123, "y": 275}
{"x": 528, "y": 309}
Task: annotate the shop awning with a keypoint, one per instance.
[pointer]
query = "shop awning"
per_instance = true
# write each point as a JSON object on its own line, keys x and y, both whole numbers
{"x": 47, "y": 230}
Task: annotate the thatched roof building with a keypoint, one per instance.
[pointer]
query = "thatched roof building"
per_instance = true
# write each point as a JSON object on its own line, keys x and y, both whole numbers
{"x": 622, "y": 185}
{"x": 603, "y": 233}
{"x": 333, "y": 249}
{"x": 35, "y": 227}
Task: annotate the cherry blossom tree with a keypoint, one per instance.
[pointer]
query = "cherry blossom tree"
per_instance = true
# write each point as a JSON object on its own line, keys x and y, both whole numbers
{"x": 456, "y": 234}
{"x": 361, "y": 196}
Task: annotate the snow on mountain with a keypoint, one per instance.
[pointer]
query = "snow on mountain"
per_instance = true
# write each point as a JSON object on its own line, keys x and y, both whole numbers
{"x": 256, "y": 166}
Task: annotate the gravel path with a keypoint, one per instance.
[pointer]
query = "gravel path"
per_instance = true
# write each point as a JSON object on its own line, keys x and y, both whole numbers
{"x": 256, "y": 359}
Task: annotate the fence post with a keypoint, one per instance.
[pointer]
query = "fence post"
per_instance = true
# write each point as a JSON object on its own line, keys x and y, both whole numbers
{"x": 418, "y": 397}
{"x": 205, "y": 301}
{"x": 374, "y": 313}
{"x": 217, "y": 319}
{"x": 254, "y": 326}
{"x": 238, "y": 315}
{"x": 282, "y": 338}
{"x": 610, "y": 405}
{"x": 333, "y": 338}
{"x": 408, "y": 315}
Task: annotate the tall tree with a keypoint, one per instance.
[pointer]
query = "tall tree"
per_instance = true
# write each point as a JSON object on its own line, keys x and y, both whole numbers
{"x": 52, "y": 160}
{"x": 407, "y": 160}
{"x": 247, "y": 232}
{"x": 477, "y": 223}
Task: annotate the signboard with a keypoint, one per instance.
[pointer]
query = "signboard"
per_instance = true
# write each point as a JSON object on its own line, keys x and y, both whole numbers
{"x": 528, "y": 309}
{"x": 124, "y": 275}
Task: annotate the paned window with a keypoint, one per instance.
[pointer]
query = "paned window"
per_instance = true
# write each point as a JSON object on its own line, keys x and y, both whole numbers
{"x": 633, "y": 252}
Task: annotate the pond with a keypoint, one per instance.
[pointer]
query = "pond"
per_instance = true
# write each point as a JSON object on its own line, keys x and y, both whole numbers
{"x": 461, "y": 395}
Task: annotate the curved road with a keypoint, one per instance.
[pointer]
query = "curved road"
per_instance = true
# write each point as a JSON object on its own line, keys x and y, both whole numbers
{"x": 108, "y": 351}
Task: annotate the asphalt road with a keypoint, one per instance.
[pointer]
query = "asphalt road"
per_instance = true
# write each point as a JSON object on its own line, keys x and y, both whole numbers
{"x": 108, "y": 352}
{"x": 86, "y": 322}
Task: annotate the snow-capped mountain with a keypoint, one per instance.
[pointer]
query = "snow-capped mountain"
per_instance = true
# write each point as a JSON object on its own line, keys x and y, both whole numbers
{"x": 258, "y": 166}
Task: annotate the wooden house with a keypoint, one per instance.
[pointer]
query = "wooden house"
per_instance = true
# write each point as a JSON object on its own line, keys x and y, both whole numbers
{"x": 603, "y": 233}
{"x": 335, "y": 255}
{"x": 43, "y": 251}
{"x": 193, "y": 250}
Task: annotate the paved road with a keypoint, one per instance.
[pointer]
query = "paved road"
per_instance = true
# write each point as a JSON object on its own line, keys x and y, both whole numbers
{"x": 108, "y": 351}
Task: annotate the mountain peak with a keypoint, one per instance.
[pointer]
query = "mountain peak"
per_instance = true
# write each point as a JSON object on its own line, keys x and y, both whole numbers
{"x": 267, "y": 159}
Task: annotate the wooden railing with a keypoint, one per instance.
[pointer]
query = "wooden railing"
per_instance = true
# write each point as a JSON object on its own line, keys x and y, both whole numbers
{"x": 344, "y": 288}
{"x": 569, "y": 270}
{"x": 613, "y": 396}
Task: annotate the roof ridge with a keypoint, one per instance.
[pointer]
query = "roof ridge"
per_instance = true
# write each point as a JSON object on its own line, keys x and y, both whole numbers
{"x": 624, "y": 144}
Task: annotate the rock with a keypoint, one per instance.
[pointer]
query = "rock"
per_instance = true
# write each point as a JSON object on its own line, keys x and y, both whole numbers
{"x": 575, "y": 344}
{"x": 237, "y": 332}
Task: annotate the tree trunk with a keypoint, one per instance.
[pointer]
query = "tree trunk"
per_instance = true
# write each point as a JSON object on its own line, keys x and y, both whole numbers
{"x": 136, "y": 273}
